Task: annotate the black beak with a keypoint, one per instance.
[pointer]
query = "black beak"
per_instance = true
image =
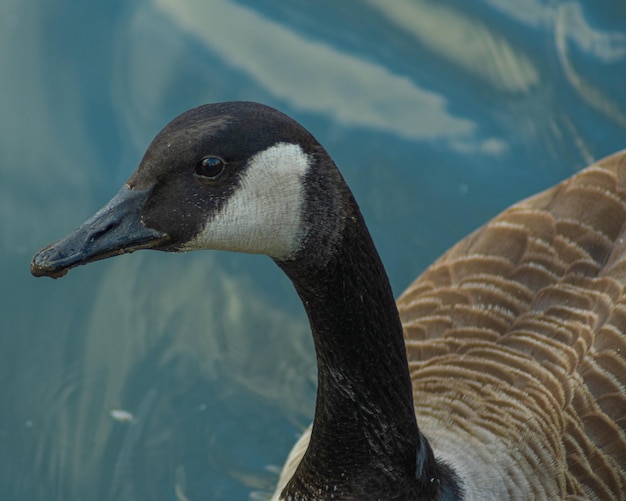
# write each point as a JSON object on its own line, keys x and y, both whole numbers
{"x": 115, "y": 229}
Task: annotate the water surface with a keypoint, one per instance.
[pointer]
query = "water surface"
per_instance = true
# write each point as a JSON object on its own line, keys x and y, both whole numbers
{"x": 156, "y": 376}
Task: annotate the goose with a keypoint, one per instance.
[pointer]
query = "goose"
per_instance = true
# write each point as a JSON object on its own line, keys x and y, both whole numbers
{"x": 499, "y": 374}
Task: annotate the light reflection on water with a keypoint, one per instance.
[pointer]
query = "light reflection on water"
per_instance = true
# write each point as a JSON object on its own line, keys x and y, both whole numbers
{"x": 438, "y": 113}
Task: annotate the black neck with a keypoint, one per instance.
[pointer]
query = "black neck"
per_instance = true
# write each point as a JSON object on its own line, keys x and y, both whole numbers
{"x": 365, "y": 443}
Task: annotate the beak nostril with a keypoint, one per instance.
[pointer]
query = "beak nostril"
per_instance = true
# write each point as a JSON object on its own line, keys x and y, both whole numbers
{"x": 102, "y": 231}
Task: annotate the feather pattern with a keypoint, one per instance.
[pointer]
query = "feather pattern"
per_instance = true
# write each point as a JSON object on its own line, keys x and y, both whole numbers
{"x": 518, "y": 335}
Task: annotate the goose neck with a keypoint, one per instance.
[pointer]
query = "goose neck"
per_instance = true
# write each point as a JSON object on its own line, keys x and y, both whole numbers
{"x": 364, "y": 425}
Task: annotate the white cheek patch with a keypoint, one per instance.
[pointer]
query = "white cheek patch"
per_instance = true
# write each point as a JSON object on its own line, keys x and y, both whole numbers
{"x": 264, "y": 214}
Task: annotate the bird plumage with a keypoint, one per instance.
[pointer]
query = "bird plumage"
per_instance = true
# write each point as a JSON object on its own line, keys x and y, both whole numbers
{"x": 511, "y": 351}
{"x": 516, "y": 342}
{"x": 519, "y": 332}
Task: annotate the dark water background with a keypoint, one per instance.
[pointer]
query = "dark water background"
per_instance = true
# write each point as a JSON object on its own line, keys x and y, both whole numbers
{"x": 439, "y": 113}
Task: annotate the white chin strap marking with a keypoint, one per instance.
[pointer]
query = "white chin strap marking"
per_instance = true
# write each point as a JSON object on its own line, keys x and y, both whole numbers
{"x": 264, "y": 214}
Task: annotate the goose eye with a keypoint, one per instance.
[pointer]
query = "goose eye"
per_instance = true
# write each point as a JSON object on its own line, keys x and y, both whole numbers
{"x": 210, "y": 167}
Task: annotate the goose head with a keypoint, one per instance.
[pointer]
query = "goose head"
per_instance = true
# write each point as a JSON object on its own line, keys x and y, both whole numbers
{"x": 198, "y": 188}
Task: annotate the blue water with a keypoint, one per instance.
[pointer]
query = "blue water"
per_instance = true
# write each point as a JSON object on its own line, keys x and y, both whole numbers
{"x": 166, "y": 377}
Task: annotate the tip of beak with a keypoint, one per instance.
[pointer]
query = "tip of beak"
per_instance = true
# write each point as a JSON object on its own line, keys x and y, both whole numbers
{"x": 48, "y": 263}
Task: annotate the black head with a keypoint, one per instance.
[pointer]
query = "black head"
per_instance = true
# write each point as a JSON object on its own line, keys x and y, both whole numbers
{"x": 236, "y": 176}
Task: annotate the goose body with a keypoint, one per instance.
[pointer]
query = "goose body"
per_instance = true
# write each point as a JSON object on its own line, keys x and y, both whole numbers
{"x": 500, "y": 373}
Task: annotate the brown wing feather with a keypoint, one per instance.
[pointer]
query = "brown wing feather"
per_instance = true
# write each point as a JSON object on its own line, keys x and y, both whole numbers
{"x": 518, "y": 332}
